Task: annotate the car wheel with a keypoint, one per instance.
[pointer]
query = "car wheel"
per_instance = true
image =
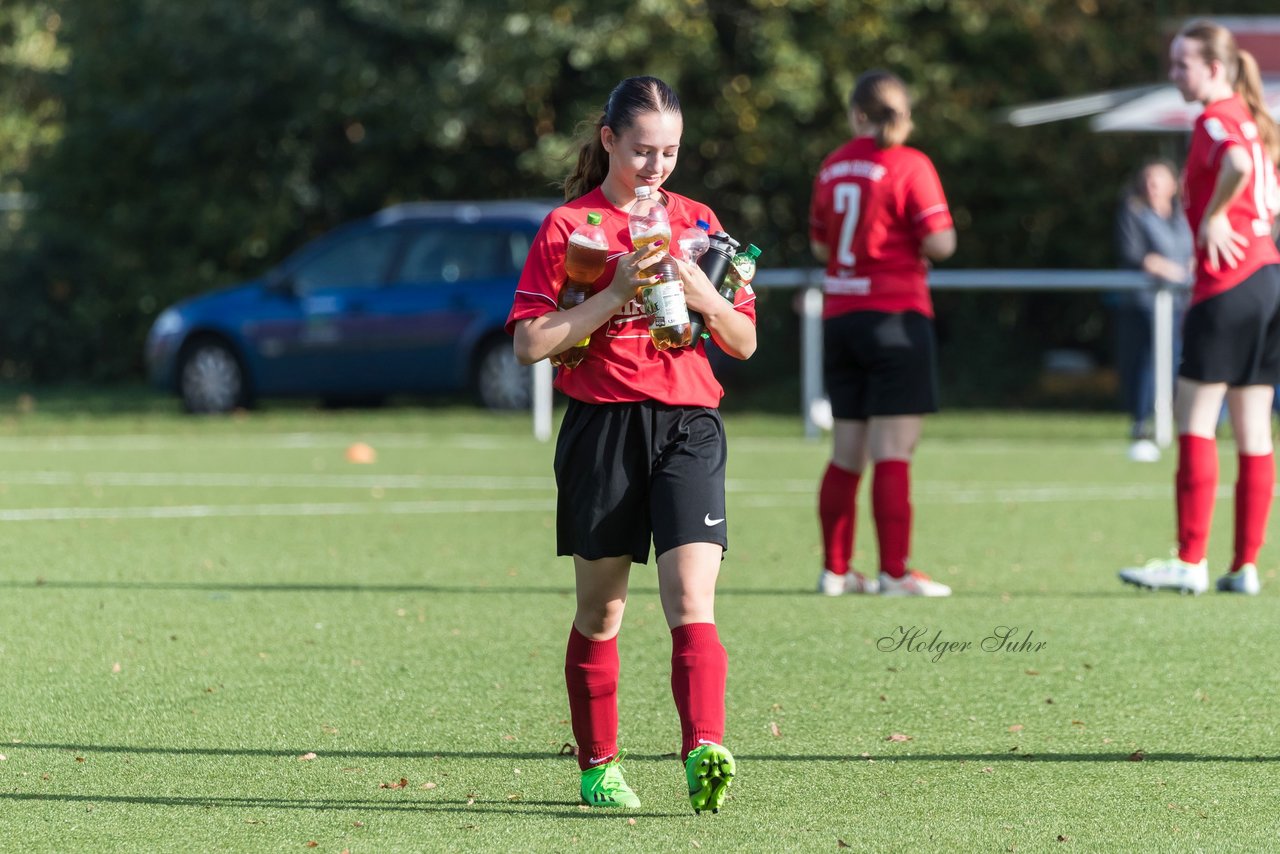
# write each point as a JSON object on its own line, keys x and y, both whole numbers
{"x": 210, "y": 378}
{"x": 501, "y": 382}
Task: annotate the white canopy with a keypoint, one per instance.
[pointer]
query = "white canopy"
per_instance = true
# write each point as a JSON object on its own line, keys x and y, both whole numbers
{"x": 1155, "y": 108}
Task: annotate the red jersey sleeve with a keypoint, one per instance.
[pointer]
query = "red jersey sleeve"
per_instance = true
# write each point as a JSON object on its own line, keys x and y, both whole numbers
{"x": 1222, "y": 134}
{"x": 539, "y": 286}
{"x": 926, "y": 204}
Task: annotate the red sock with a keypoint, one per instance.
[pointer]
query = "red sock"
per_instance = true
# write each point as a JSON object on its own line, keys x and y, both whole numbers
{"x": 591, "y": 675}
{"x": 837, "y": 510}
{"x": 891, "y": 506}
{"x": 699, "y": 665}
{"x": 1196, "y": 485}
{"x": 1254, "y": 485}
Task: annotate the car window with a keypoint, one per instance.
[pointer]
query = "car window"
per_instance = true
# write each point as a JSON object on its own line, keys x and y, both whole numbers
{"x": 437, "y": 255}
{"x": 358, "y": 261}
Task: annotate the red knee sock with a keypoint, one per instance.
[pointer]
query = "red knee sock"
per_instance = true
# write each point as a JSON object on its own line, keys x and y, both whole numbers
{"x": 699, "y": 665}
{"x": 837, "y": 510}
{"x": 1254, "y": 485}
{"x": 1196, "y": 485}
{"x": 891, "y": 506}
{"x": 591, "y": 675}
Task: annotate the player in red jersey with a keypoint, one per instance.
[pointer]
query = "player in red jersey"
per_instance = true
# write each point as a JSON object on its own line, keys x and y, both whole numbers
{"x": 877, "y": 217}
{"x": 641, "y": 451}
{"x": 1231, "y": 336}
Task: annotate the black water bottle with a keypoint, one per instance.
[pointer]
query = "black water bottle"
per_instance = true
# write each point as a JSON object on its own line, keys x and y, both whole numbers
{"x": 715, "y": 263}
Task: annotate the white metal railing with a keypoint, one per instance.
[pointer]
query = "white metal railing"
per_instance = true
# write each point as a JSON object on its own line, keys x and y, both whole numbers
{"x": 810, "y": 280}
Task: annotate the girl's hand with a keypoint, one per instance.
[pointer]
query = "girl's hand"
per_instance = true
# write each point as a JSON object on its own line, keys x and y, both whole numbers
{"x": 1221, "y": 242}
{"x": 699, "y": 294}
{"x": 633, "y": 271}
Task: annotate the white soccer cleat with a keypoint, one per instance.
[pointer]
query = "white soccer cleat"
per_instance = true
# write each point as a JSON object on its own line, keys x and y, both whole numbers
{"x": 912, "y": 584}
{"x": 831, "y": 584}
{"x": 1144, "y": 451}
{"x": 1243, "y": 580}
{"x": 820, "y": 414}
{"x": 1170, "y": 573}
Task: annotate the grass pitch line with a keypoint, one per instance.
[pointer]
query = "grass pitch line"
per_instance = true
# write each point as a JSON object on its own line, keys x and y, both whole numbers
{"x": 269, "y": 441}
{"x": 212, "y": 511}
{"x": 268, "y": 481}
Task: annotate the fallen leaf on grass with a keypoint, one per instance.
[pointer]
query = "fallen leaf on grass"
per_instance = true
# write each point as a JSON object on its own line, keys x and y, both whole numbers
{"x": 115, "y": 668}
{"x": 1016, "y": 728}
{"x": 695, "y": 843}
{"x": 313, "y": 844}
{"x": 567, "y": 749}
{"x": 631, "y": 822}
{"x": 988, "y": 770}
{"x": 773, "y": 728}
{"x": 897, "y": 736}
{"x": 1062, "y": 837}
{"x": 332, "y": 730}
{"x": 508, "y": 738}
{"x": 79, "y": 758}
{"x": 1137, "y": 756}
{"x": 306, "y": 757}
{"x": 427, "y": 785}
{"x": 1032, "y": 672}
{"x": 359, "y": 823}
{"x": 397, "y": 785}
{"x": 514, "y": 797}
{"x": 252, "y": 821}
{"x": 840, "y": 843}
{"x": 3, "y": 757}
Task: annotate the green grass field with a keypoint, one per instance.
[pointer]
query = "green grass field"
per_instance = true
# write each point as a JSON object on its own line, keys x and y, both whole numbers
{"x": 192, "y": 608}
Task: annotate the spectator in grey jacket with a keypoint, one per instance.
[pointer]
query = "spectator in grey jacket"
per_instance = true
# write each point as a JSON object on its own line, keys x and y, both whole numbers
{"x": 1152, "y": 236}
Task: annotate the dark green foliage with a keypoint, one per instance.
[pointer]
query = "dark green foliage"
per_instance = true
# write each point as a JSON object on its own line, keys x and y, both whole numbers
{"x": 200, "y": 143}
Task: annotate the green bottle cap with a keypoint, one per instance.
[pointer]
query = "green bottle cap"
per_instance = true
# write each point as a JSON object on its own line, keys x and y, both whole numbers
{"x": 594, "y": 219}
{"x": 753, "y": 250}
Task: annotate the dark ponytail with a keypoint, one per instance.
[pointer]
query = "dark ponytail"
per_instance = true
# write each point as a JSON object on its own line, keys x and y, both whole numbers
{"x": 629, "y": 99}
{"x": 882, "y": 98}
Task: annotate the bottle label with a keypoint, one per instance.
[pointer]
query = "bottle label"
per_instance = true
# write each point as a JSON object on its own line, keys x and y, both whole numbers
{"x": 665, "y": 305}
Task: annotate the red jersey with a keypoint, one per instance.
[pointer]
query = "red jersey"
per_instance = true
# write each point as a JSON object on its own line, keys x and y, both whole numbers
{"x": 871, "y": 208}
{"x": 621, "y": 365}
{"x": 1223, "y": 124}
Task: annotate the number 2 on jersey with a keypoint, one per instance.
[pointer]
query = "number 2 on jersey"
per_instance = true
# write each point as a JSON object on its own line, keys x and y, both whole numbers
{"x": 848, "y": 201}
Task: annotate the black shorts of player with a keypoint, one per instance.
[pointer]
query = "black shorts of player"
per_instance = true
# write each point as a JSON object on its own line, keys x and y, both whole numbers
{"x": 628, "y": 472}
{"x": 878, "y": 363}
{"x": 1234, "y": 337}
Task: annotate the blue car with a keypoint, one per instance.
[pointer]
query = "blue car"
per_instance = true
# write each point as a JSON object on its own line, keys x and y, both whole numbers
{"x": 411, "y": 300}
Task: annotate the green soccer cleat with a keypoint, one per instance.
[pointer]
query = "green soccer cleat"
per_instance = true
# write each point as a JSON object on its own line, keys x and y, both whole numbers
{"x": 604, "y": 786}
{"x": 709, "y": 772}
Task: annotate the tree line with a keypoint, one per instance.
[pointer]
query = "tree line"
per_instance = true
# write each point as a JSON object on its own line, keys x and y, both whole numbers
{"x": 159, "y": 149}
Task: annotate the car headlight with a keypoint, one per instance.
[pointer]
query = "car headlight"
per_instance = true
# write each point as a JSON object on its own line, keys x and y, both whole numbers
{"x": 169, "y": 322}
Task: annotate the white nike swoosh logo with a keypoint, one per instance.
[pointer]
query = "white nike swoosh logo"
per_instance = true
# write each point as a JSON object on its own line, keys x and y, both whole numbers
{"x": 597, "y": 761}
{"x": 708, "y": 521}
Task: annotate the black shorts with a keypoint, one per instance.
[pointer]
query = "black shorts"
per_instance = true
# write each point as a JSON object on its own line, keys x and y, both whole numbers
{"x": 878, "y": 363}
{"x": 1234, "y": 337}
{"x": 626, "y": 472}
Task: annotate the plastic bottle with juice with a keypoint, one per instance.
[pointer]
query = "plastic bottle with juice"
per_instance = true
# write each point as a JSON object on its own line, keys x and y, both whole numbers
{"x": 648, "y": 221}
{"x": 664, "y": 304}
{"x": 742, "y": 271}
{"x": 584, "y": 262}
